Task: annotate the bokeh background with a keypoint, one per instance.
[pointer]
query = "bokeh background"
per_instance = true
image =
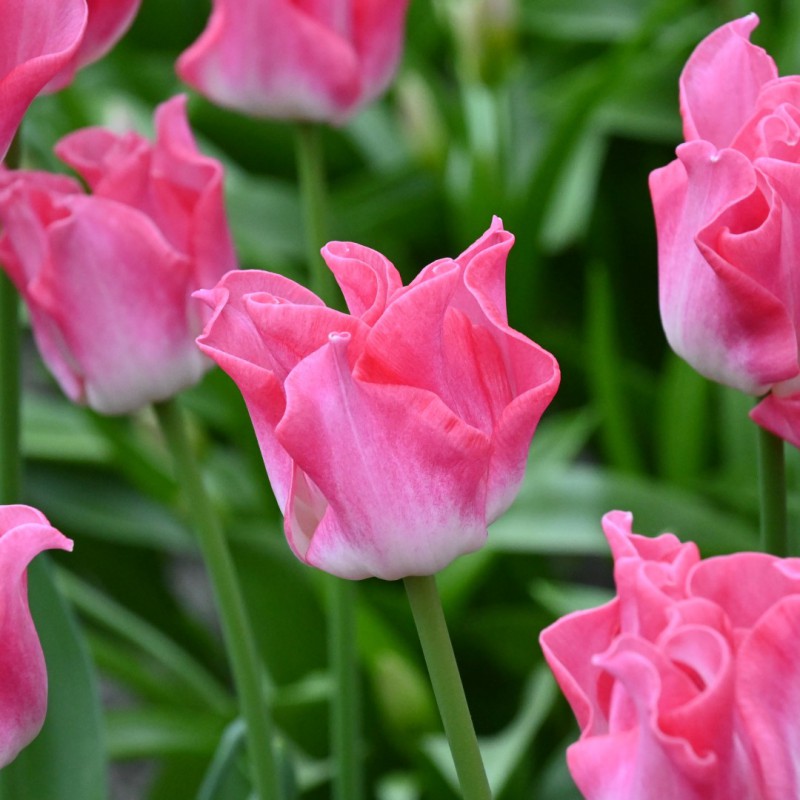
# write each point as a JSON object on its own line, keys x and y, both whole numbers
{"x": 547, "y": 113}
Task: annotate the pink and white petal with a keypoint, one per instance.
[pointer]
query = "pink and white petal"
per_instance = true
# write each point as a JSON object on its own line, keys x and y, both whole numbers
{"x": 720, "y": 83}
{"x": 272, "y": 59}
{"x": 768, "y": 690}
{"x": 24, "y": 533}
{"x": 136, "y": 347}
{"x": 715, "y": 314}
{"x": 367, "y": 279}
{"x": 404, "y": 479}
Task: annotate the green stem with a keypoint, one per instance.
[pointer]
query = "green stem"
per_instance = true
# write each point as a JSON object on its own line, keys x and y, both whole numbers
{"x": 772, "y": 485}
{"x": 345, "y": 705}
{"x": 314, "y": 197}
{"x": 443, "y": 670}
{"x": 236, "y": 627}
{"x": 10, "y": 468}
{"x": 10, "y": 455}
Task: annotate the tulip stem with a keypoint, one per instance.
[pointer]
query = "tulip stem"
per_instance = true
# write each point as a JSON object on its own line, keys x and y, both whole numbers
{"x": 10, "y": 389}
{"x": 426, "y": 607}
{"x": 772, "y": 480}
{"x": 345, "y": 702}
{"x": 10, "y": 477}
{"x": 236, "y": 628}
{"x": 314, "y": 197}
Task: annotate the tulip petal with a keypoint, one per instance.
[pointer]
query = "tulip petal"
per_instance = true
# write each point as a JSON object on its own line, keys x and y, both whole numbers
{"x": 24, "y": 533}
{"x": 717, "y": 314}
{"x": 107, "y": 22}
{"x": 108, "y": 351}
{"x": 405, "y": 497}
{"x": 367, "y": 279}
{"x": 568, "y": 646}
{"x": 721, "y": 81}
{"x": 769, "y": 694}
{"x": 37, "y": 39}
{"x": 262, "y": 326}
{"x": 779, "y": 415}
{"x": 746, "y": 585}
{"x": 271, "y": 58}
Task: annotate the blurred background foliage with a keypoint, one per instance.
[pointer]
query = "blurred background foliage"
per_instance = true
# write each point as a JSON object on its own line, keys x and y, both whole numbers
{"x": 548, "y": 113}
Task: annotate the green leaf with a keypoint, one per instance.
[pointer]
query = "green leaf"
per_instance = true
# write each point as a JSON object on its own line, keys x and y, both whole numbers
{"x": 503, "y": 753}
{"x": 558, "y": 512}
{"x": 67, "y": 760}
{"x": 157, "y": 732}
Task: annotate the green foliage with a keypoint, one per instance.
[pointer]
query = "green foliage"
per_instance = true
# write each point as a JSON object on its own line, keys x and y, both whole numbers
{"x": 551, "y": 117}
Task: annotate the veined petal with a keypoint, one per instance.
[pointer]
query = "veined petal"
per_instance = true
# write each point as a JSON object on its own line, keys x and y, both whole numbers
{"x": 403, "y": 478}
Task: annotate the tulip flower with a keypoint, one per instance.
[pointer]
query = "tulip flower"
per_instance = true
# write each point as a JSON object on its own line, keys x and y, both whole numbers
{"x": 108, "y": 277}
{"x": 726, "y": 213}
{"x": 685, "y": 685}
{"x": 38, "y": 38}
{"x": 24, "y": 533}
{"x": 395, "y": 434}
{"x": 44, "y": 42}
{"x": 107, "y": 21}
{"x": 318, "y": 61}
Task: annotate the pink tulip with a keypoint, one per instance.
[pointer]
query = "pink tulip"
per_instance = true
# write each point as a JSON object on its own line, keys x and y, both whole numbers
{"x": 24, "y": 533}
{"x": 685, "y": 685}
{"x": 107, "y": 22}
{"x": 395, "y": 434}
{"x": 726, "y": 213}
{"x": 44, "y": 42}
{"x": 298, "y": 59}
{"x": 108, "y": 277}
{"x": 38, "y": 38}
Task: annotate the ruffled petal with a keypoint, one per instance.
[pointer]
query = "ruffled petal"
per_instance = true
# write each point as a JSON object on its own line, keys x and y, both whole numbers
{"x": 768, "y": 689}
{"x": 721, "y": 81}
{"x": 367, "y": 279}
